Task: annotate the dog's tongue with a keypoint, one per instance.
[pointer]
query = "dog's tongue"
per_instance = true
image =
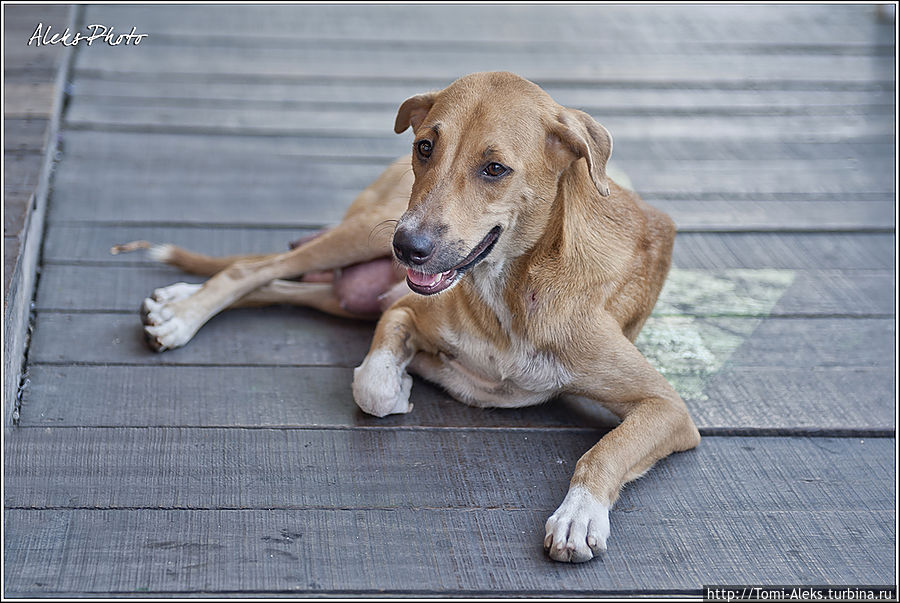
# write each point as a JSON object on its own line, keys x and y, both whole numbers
{"x": 423, "y": 280}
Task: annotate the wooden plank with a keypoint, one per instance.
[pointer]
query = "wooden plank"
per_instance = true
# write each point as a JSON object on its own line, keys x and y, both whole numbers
{"x": 815, "y": 401}
{"x": 730, "y": 216}
{"x": 170, "y": 205}
{"x": 761, "y": 178}
{"x": 807, "y": 529}
{"x": 359, "y": 469}
{"x": 69, "y": 243}
{"x": 175, "y": 94}
{"x": 692, "y": 292}
{"x": 364, "y": 121}
{"x": 16, "y": 204}
{"x": 19, "y": 20}
{"x": 28, "y": 100}
{"x": 25, "y": 135}
{"x": 444, "y": 552}
{"x": 441, "y": 64}
{"x": 255, "y": 397}
{"x": 743, "y": 401}
{"x": 384, "y": 147}
{"x": 89, "y": 244}
{"x": 292, "y": 198}
{"x": 11, "y": 247}
{"x": 825, "y": 250}
{"x": 754, "y": 179}
{"x": 291, "y": 336}
{"x": 780, "y": 343}
{"x": 21, "y": 171}
{"x": 295, "y": 336}
{"x": 784, "y": 25}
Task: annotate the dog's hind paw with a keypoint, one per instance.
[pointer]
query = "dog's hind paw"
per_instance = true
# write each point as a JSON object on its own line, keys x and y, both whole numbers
{"x": 164, "y": 329}
{"x": 578, "y": 529}
{"x": 380, "y": 386}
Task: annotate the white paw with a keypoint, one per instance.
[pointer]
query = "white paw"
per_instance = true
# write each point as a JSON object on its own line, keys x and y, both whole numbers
{"x": 380, "y": 386}
{"x": 578, "y": 529}
{"x": 175, "y": 292}
{"x": 165, "y": 327}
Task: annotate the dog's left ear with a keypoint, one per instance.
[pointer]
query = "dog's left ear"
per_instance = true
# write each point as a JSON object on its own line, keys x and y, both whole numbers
{"x": 413, "y": 111}
{"x": 577, "y": 133}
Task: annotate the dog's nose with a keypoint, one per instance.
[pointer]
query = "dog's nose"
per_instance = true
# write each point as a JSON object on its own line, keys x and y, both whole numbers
{"x": 413, "y": 247}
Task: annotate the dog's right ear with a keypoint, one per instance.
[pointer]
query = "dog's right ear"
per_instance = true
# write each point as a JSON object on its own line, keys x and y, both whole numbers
{"x": 413, "y": 111}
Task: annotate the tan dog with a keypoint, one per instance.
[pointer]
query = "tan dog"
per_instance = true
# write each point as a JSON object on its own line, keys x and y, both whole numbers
{"x": 532, "y": 274}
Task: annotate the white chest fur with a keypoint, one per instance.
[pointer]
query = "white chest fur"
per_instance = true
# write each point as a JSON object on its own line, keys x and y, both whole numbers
{"x": 518, "y": 375}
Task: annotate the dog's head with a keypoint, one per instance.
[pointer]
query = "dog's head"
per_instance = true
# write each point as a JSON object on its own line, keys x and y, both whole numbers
{"x": 487, "y": 156}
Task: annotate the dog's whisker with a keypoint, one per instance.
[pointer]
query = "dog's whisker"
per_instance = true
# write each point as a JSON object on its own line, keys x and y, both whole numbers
{"x": 378, "y": 228}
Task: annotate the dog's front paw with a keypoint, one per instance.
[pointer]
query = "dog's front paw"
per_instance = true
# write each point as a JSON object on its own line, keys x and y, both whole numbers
{"x": 380, "y": 386}
{"x": 578, "y": 529}
{"x": 164, "y": 326}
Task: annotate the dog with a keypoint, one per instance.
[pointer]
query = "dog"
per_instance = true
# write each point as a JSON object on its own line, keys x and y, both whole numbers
{"x": 520, "y": 271}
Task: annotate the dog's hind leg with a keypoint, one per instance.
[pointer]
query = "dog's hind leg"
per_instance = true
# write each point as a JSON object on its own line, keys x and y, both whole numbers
{"x": 183, "y": 259}
{"x": 360, "y": 237}
{"x": 320, "y": 296}
{"x": 170, "y": 324}
{"x": 193, "y": 262}
{"x": 359, "y": 291}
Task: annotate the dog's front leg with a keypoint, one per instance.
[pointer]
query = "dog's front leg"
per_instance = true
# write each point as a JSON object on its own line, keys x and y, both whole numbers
{"x": 655, "y": 423}
{"x": 381, "y": 384}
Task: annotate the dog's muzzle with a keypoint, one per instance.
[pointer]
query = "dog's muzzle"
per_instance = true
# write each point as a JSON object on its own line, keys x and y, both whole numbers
{"x": 425, "y": 283}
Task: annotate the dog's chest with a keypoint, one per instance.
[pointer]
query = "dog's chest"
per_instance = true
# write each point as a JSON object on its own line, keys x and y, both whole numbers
{"x": 518, "y": 363}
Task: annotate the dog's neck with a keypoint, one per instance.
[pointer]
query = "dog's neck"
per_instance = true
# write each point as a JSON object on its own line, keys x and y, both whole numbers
{"x": 579, "y": 239}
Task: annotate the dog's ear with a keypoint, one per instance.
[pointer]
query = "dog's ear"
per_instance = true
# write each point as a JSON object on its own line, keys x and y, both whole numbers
{"x": 413, "y": 111}
{"x": 577, "y": 133}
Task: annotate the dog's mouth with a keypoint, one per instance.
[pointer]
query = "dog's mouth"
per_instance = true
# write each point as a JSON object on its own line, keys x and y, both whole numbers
{"x": 429, "y": 284}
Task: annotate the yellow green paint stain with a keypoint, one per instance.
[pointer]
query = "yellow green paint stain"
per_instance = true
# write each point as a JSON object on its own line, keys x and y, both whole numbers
{"x": 702, "y": 317}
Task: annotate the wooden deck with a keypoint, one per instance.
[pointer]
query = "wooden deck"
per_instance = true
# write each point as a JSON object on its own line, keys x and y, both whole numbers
{"x": 240, "y": 464}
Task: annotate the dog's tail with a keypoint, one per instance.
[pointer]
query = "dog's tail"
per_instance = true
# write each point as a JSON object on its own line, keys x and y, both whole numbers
{"x": 189, "y": 261}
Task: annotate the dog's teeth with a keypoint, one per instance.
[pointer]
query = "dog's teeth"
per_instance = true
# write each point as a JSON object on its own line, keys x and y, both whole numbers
{"x": 425, "y": 280}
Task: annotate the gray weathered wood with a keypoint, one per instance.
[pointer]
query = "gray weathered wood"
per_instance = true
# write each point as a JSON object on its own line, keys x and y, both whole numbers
{"x": 352, "y": 118}
{"x": 792, "y": 251}
{"x": 389, "y": 468}
{"x": 441, "y": 63}
{"x": 435, "y": 551}
{"x": 664, "y": 178}
{"x": 366, "y": 122}
{"x": 71, "y": 243}
{"x": 254, "y": 198}
{"x": 141, "y": 93}
{"x": 785, "y": 26}
{"x": 830, "y": 400}
{"x": 240, "y": 464}
{"x": 295, "y": 336}
{"x": 256, "y": 397}
{"x": 383, "y": 147}
{"x": 331, "y": 481}
{"x": 742, "y": 292}
{"x": 284, "y": 336}
{"x": 25, "y": 135}
{"x": 90, "y": 244}
{"x": 716, "y": 215}
{"x": 11, "y": 247}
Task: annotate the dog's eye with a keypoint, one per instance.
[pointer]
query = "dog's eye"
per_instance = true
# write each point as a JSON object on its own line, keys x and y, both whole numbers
{"x": 423, "y": 147}
{"x": 494, "y": 170}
